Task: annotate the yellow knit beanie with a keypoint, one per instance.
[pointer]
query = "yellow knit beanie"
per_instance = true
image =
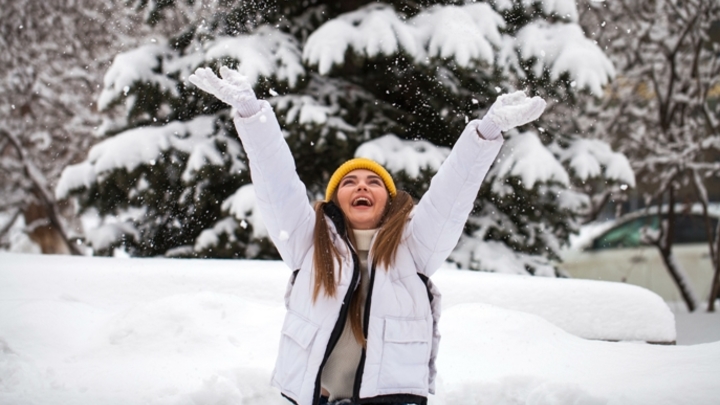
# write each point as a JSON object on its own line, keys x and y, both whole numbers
{"x": 359, "y": 163}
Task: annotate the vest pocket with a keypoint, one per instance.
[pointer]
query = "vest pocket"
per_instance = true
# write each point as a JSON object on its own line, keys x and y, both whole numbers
{"x": 406, "y": 352}
{"x": 295, "y": 346}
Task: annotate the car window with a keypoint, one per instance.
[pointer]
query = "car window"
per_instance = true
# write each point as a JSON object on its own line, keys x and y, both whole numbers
{"x": 626, "y": 234}
{"x": 688, "y": 229}
{"x": 691, "y": 229}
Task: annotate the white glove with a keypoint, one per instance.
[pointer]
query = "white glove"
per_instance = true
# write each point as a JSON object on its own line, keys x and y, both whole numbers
{"x": 234, "y": 89}
{"x": 509, "y": 111}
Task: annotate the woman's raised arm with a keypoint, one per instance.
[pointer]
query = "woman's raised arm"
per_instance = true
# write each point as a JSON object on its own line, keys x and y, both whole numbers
{"x": 281, "y": 196}
{"x": 440, "y": 216}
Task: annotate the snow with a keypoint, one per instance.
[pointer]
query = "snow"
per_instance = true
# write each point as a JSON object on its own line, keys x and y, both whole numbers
{"x": 79, "y": 330}
{"x": 103, "y": 236}
{"x": 377, "y": 29}
{"x": 478, "y": 24}
{"x": 398, "y": 155}
{"x": 304, "y": 109}
{"x": 144, "y": 145}
{"x": 372, "y": 30}
{"x": 564, "y": 8}
{"x": 496, "y": 257}
{"x": 590, "y": 158}
{"x": 268, "y": 52}
{"x": 209, "y": 238}
{"x": 76, "y": 176}
{"x": 243, "y": 206}
{"x": 138, "y": 65}
{"x": 526, "y": 157}
{"x": 564, "y": 48}
{"x": 633, "y": 314}
{"x": 696, "y": 327}
{"x": 532, "y": 362}
{"x": 19, "y": 241}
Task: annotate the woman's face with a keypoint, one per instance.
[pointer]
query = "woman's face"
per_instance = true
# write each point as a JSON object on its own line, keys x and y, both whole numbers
{"x": 363, "y": 197}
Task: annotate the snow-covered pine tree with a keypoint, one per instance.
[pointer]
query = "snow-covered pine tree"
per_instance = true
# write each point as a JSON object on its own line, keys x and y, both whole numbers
{"x": 394, "y": 81}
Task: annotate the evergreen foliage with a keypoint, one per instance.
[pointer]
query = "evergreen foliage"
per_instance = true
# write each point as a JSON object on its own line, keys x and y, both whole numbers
{"x": 421, "y": 87}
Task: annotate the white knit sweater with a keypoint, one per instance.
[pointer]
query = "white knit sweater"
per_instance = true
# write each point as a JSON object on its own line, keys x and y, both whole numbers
{"x": 338, "y": 376}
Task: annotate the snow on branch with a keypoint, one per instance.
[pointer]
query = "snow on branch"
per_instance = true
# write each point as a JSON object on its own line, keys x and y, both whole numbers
{"x": 590, "y": 158}
{"x": 305, "y": 109}
{"x": 526, "y": 157}
{"x": 378, "y": 30}
{"x": 107, "y": 235}
{"x": 497, "y": 257}
{"x": 143, "y": 64}
{"x": 564, "y": 48}
{"x": 143, "y": 145}
{"x": 243, "y": 206}
{"x": 373, "y": 30}
{"x": 477, "y": 24}
{"x": 562, "y": 8}
{"x": 210, "y": 238}
{"x": 398, "y": 155}
{"x": 74, "y": 177}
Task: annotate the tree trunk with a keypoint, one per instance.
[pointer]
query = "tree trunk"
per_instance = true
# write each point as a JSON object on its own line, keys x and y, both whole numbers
{"x": 716, "y": 277}
{"x": 664, "y": 245}
{"x": 45, "y": 198}
{"x": 42, "y": 232}
{"x": 713, "y": 243}
{"x": 681, "y": 279}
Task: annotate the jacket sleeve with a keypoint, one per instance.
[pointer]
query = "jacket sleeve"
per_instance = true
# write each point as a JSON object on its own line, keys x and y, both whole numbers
{"x": 281, "y": 196}
{"x": 438, "y": 219}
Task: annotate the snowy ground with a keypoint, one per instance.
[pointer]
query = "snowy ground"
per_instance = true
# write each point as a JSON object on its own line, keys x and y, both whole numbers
{"x": 154, "y": 331}
{"x": 696, "y": 327}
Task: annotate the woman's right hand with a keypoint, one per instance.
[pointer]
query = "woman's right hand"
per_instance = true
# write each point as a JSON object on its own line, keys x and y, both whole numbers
{"x": 233, "y": 89}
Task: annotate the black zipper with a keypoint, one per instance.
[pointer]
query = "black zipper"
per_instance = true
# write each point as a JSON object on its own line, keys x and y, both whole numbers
{"x": 340, "y": 324}
{"x": 366, "y": 322}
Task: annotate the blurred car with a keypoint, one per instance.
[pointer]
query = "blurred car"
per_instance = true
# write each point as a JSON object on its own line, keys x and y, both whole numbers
{"x": 616, "y": 251}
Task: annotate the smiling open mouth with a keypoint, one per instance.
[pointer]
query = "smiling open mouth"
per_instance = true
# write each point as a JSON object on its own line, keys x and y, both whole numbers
{"x": 361, "y": 201}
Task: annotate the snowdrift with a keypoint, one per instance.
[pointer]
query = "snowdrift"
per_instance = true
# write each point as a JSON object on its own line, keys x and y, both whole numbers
{"x": 157, "y": 331}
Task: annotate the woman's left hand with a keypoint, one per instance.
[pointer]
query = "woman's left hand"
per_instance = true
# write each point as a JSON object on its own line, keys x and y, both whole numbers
{"x": 510, "y": 111}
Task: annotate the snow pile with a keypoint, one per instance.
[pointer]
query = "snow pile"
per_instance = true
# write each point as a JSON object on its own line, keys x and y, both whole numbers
{"x": 592, "y": 310}
{"x": 515, "y": 358}
{"x": 161, "y": 331}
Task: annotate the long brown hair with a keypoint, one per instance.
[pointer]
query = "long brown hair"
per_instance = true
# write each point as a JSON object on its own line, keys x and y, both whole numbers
{"x": 383, "y": 250}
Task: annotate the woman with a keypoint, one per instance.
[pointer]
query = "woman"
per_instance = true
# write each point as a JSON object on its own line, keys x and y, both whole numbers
{"x": 362, "y": 313}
